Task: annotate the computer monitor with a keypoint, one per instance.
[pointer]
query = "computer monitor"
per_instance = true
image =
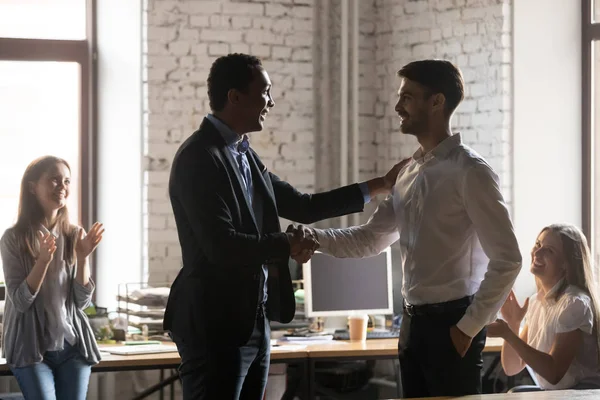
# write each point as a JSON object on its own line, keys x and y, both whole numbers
{"x": 346, "y": 286}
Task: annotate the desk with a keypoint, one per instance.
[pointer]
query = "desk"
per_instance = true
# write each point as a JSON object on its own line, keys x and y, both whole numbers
{"x": 162, "y": 361}
{"x": 137, "y": 362}
{"x": 374, "y": 348}
{"x": 549, "y": 395}
{"x": 493, "y": 345}
{"x": 377, "y": 349}
{"x": 165, "y": 361}
{"x": 113, "y": 363}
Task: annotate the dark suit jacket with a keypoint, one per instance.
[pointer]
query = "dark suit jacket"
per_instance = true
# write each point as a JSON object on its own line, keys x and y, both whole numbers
{"x": 215, "y": 295}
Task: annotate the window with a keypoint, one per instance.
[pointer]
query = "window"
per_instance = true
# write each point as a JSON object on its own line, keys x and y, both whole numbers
{"x": 43, "y": 19}
{"x": 591, "y": 124}
{"x": 46, "y": 102}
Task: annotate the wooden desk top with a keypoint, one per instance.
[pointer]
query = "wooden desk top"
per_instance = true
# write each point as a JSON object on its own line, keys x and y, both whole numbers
{"x": 374, "y": 348}
{"x": 142, "y": 360}
{"x": 137, "y": 360}
{"x": 169, "y": 360}
{"x": 548, "y": 395}
{"x": 278, "y": 354}
{"x": 345, "y": 348}
{"x": 493, "y": 345}
{"x": 338, "y": 349}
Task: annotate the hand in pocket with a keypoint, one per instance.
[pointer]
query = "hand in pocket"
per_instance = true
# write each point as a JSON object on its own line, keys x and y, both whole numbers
{"x": 461, "y": 341}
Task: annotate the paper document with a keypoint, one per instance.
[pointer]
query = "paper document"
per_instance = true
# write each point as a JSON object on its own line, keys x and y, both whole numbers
{"x": 314, "y": 338}
{"x": 287, "y": 347}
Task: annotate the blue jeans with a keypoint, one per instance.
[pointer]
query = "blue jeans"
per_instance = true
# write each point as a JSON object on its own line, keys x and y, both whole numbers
{"x": 63, "y": 375}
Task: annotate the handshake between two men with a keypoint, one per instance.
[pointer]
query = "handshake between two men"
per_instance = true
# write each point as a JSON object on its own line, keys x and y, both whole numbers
{"x": 303, "y": 240}
{"x": 303, "y": 243}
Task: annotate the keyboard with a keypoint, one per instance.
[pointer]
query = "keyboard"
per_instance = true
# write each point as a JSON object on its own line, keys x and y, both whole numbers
{"x": 140, "y": 349}
{"x": 345, "y": 335}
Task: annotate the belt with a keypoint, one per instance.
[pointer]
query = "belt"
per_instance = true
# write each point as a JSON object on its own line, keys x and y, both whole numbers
{"x": 437, "y": 308}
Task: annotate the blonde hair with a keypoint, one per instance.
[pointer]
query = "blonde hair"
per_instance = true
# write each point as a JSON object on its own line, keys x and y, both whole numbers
{"x": 31, "y": 214}
{"x": 581, "y": 271}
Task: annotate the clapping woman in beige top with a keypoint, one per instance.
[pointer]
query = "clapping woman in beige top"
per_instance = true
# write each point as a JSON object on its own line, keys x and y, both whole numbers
{"x": 47, "y": 339}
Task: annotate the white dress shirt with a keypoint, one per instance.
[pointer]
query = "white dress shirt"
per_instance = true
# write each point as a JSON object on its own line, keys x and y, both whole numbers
{"x": 547, "y": 317}
{"x": 454, "y": 229}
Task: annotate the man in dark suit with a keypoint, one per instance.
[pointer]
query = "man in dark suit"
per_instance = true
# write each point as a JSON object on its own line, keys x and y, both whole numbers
{"x": 235, "y": 275}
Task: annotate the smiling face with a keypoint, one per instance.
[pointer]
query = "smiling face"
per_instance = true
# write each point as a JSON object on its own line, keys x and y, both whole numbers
{"x": 254, "y": 104}
{"x": 52, "y": 189}
{"x": 548, "y": 262}
{"x": 413, "y": 107}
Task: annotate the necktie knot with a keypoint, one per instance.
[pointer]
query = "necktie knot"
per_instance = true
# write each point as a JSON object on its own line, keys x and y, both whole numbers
{"x": 244, "y": 144}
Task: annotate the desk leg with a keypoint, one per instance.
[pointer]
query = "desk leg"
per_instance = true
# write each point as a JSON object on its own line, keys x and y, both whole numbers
{"x": 398, "y": 377}
{"x": 310, "y": 379}
{"x": 295, "y": 380}
{"x": 162, "y": 389}
{"x": 172, "y": 386}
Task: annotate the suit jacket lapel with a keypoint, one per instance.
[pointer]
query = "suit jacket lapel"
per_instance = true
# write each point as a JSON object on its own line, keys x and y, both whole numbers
{"x": 259, "y": 182}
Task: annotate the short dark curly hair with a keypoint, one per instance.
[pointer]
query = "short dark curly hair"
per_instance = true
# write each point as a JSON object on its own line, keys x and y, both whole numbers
{"x": 233, "y": 71}
{"x": 437, "y": 76}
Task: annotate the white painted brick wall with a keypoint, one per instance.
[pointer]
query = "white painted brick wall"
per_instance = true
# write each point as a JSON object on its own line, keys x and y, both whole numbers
{"x": 476, "y": 36}
{"x": 184, "y": 38}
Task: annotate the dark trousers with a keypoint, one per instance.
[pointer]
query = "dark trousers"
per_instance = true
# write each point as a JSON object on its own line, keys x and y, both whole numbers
{"x": 227, "y": 373}
{"x": 429, "y": 363}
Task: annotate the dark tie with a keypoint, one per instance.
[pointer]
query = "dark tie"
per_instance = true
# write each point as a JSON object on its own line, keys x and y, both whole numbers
{"x": 244, "y": 167}
{"x": 244, "y": 144}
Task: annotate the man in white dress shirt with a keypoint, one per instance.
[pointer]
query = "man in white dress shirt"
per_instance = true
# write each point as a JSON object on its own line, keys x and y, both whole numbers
{"x": 459, "y": 253}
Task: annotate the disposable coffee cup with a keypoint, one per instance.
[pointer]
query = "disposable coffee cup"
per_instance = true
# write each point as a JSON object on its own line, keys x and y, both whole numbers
{"x": 357, "y": 327}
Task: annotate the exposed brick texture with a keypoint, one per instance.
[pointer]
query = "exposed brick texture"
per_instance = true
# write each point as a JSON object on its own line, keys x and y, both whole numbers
{"x": 476, "y": 36}
{"x": 184, "y": 37}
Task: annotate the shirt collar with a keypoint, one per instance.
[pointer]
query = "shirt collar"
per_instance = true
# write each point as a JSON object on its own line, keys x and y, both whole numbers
{"x": 440, "y": 151}
{"x": 231, "y": 138}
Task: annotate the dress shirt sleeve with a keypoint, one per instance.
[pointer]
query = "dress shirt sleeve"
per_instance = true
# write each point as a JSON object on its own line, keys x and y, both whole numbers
{"x": 487, "y": 210}
{"x": 364, "y": 189}
{"x": 365, "y": 240}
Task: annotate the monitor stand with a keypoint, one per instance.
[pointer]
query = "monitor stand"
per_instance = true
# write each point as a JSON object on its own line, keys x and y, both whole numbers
{"x": 333, "y": 323}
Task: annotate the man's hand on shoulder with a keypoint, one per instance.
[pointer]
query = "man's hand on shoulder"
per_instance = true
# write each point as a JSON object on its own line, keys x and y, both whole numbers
{"x": 385, "y": 184}
{"x": 303, "y": 243}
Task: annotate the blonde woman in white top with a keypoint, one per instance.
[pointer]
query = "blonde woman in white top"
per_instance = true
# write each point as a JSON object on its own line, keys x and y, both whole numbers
{"x": 559, "y": 340}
